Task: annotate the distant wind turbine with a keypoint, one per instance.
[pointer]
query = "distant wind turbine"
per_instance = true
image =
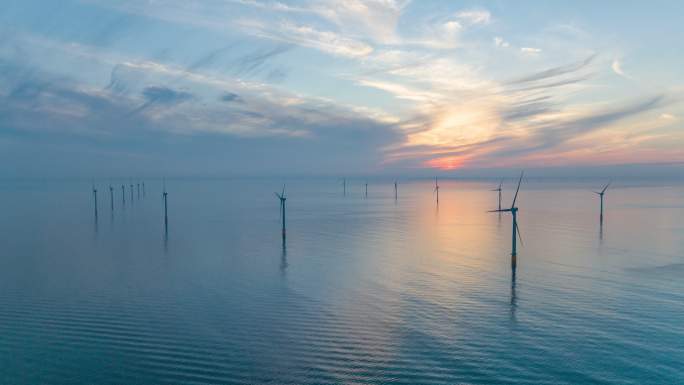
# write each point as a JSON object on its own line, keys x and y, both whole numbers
{"x": 600, "y": 194}
{"x": 95, "y": 198}
{"x": 131, "y": 192}
{"x": 166, "y": 207}
{"x": 366, "y": 195}
{"x": 282, "y": 198}
{"x": 138, "y": 189}
{"x": 514, "y": 212}
{"x": 344, "y": 187}
{"x": 436, "y": 190}
{"x": 123, "y": 195}
{"x": 143, "y": 183}
{"x": 396, "y": 195}
{"x": 111, "y": 197}
{"x": 499, "y": 190}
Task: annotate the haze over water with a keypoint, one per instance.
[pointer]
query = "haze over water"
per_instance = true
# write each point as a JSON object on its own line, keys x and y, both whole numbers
{"x": 366, "y": 290}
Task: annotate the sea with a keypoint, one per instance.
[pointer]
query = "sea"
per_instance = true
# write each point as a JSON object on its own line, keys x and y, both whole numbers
{"x": 364, "y": 289}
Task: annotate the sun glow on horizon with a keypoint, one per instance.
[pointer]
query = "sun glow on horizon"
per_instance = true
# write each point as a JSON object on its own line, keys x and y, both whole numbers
{"x": 446, "y": 163}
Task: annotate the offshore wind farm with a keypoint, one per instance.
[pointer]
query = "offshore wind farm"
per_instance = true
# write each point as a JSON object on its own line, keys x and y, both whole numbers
{"x": 352, "y": 192}
{"x": 206, "y": 288}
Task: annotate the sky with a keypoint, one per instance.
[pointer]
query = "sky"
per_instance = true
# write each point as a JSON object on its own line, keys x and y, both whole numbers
{"x": 255, "y": 87}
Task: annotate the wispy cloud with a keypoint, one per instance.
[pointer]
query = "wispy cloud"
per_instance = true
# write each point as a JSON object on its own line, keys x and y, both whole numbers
{"x": 616, "y": 66}
{"x": 308, "y": 36}
{"x": 429, "y": 89}
{"x": 500, "y": 42}
{"x": 475, "y": 16}
{"x": 530, "y": 50}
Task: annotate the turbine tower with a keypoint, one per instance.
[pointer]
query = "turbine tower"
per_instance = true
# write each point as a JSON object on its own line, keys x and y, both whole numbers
{"x": 282, "y": 198}
{"x": 95, "y": 198}
{"x": 515, "y": 230}
{"x": 499, "y": 190}
{"x": 366, "y": 190}
{"x": 166, "y": 207}
{"x": 436, "y": 190}
{"x": 123, "y": 195}
{"x": 395, "y": 191}
{"x": 600, "y": 194}
{"x": 111, "y": 197}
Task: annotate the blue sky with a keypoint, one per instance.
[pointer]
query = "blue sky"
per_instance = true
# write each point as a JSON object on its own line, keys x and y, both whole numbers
{"x": 226, "y": 87}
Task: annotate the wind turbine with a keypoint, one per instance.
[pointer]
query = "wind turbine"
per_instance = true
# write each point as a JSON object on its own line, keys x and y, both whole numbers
{"x": 499, "y": 190}
{"x": 138, "y": 189}
{"x": 600, "y": 194}
{"x": 282, "y": 198}
{"x": 166, "y": 216}
{"x": 436, "y": 190}
{"x": 123, "y": 195}
{"x": 344, "y": 187}
{"x": 111, "y": 197}
{"x": 395, "y": 191}
{"x": 143, "y": 189}
{"x": 131, "y": 192}
{"x": 514, "y": 212}
{"x": 366, "y": 189}
{"x": 95, "y": 197}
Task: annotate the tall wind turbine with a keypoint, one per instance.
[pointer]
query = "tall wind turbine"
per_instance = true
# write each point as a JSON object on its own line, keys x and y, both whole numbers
{"x": 436, "y": 190}
{"x": 514, "y": 212}
{"x": 282, "y": 198}
{"x": 138, "y": 189}
{"x": 366, "y": 190}
{"x": 143, "y": 189}
{"x": 499, "y": 190}
{"x": 344, "y": 187}
{"x": 600, "y": 194}
{"x": 123, "y": 195}
{"x": 131, "y": 192}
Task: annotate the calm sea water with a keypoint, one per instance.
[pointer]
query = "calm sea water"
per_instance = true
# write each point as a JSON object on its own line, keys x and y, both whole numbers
{"x": 366, "y": 290}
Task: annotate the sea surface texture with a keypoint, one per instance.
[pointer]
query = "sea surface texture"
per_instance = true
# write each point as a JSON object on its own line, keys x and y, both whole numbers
{"x": 365, "y": 290}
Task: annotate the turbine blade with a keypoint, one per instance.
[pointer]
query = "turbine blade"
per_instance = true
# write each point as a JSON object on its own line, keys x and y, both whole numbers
{"x": 518, "y": 189}
{"x": 499, "y": 211}
{"x": 517, "y": 228}
{"x": 283, "y": 194}
{"x": 605, "y": 188}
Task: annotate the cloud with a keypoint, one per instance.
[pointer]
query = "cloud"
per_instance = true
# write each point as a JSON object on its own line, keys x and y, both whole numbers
{"x": 415, "y": 86}
{"x": 92, "y": 128}
{"x": 161, "y": 96}
{"x": 530, "y": 50}
{"x": 554, "y": 72}
{"x": 165, "y": 95}
{"x": 616, "y": 66}
{"x": 500, "y": 42}
{"x": 473, "y": 17}
{"x": 308, "y": 36}
{"x": 230, "y": 97}
{"x": 254, "y": 62}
